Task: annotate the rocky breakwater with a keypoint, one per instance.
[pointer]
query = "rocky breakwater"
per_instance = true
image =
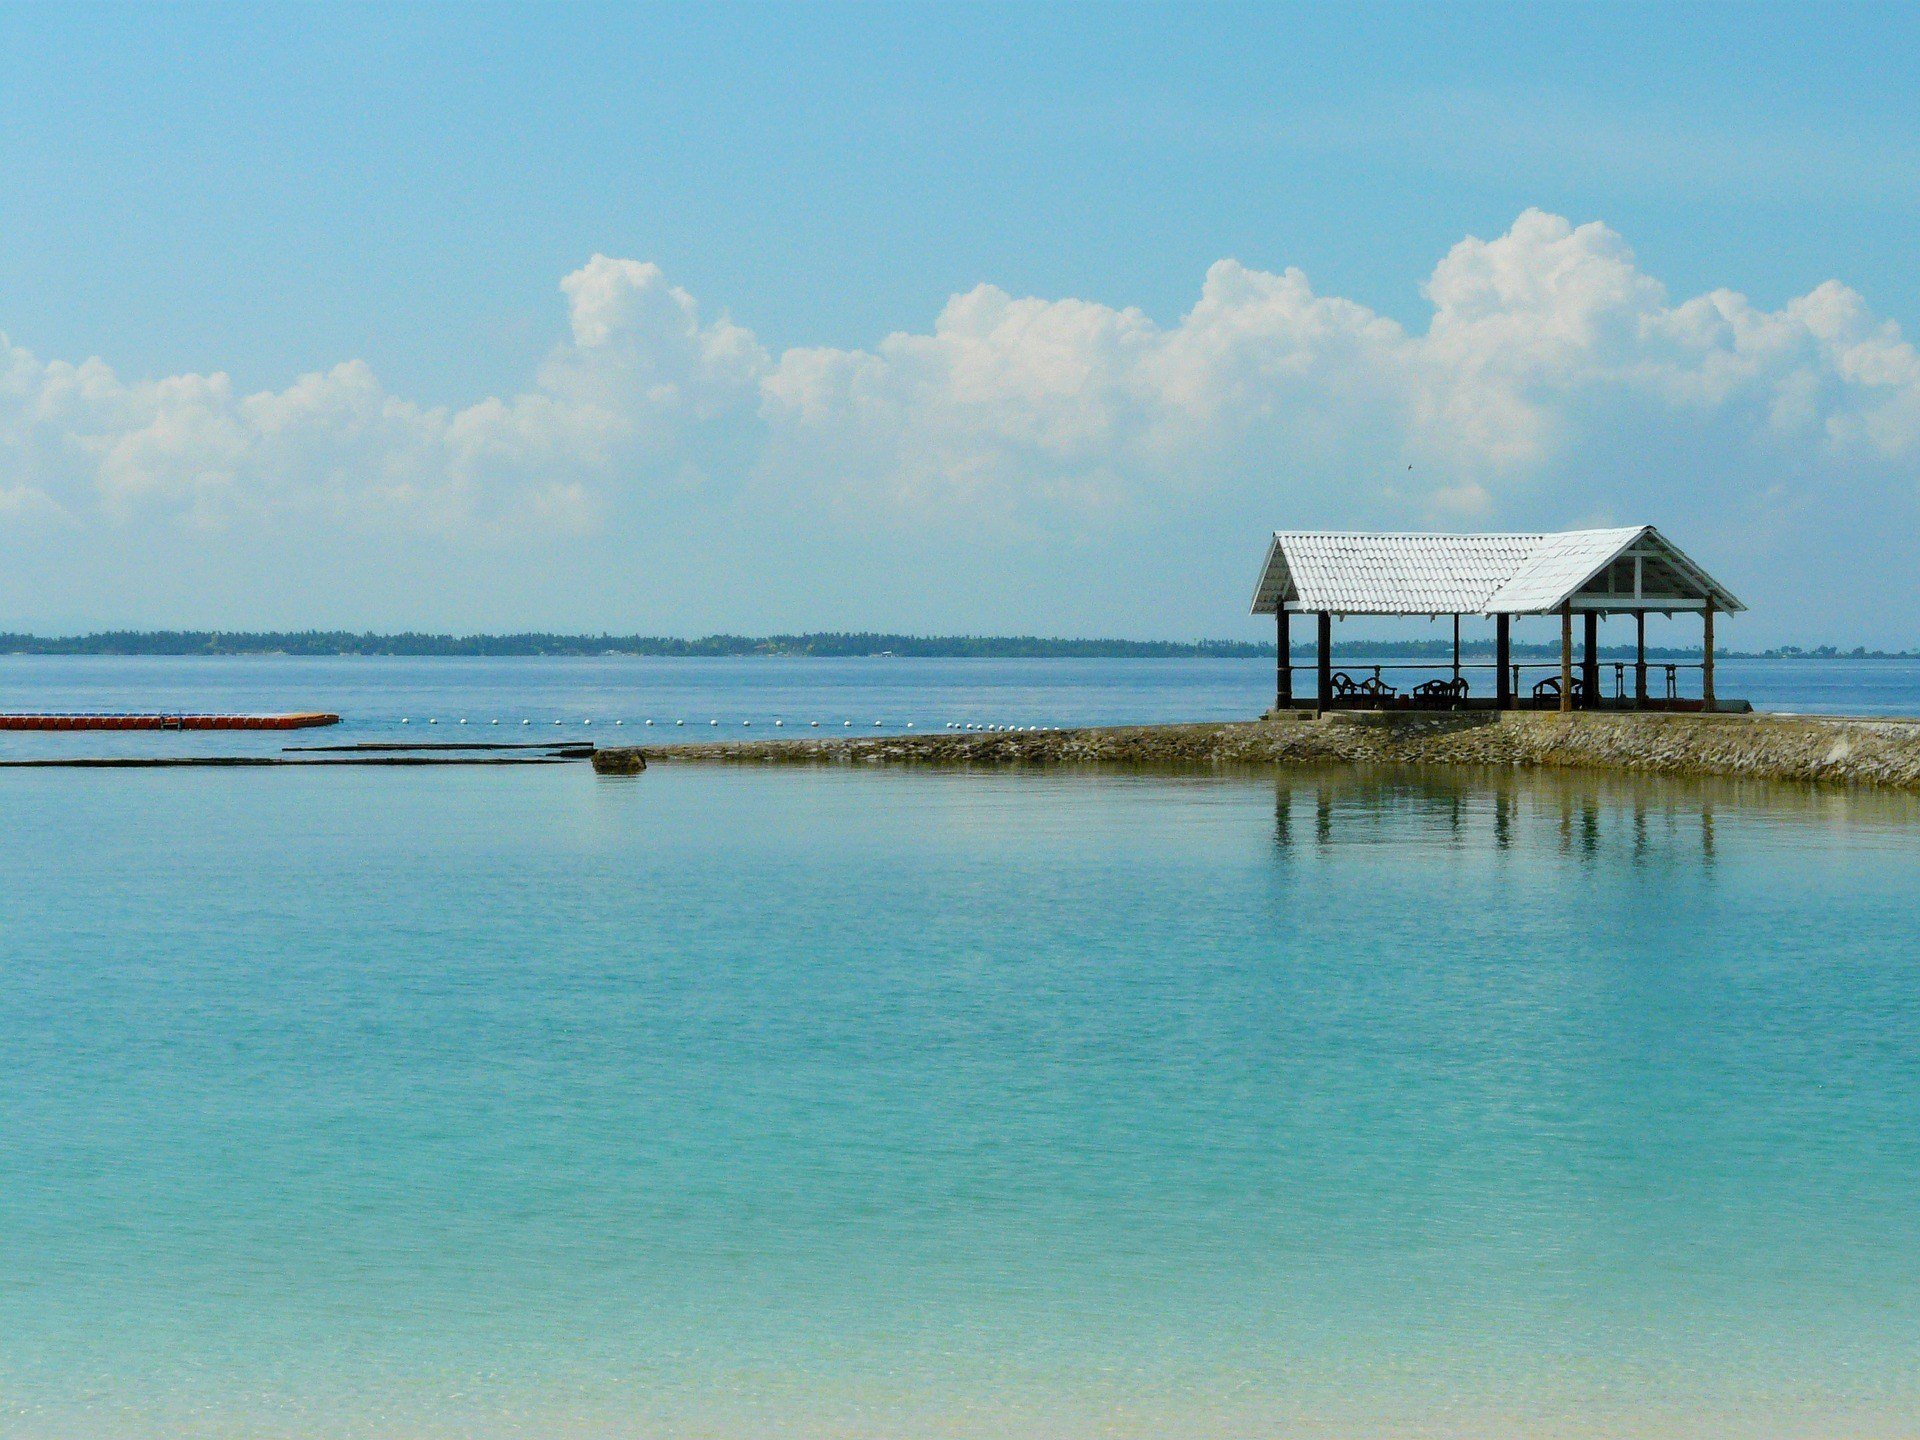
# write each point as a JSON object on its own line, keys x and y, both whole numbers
{"x": 1840, "y": 751}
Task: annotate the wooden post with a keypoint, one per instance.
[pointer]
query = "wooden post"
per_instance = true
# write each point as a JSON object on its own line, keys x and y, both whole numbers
{"x": 1590, "y": 666}
{"x": 1706, "y": 660}
{"x": 1640, "y": 657}
{"x": 1283, "y": 664}
{"x": 1325, "y": 636}
{"x": 1456, "y": 649}
{"x": 1502, "y": 654}
{"x": 1566, "y": 657}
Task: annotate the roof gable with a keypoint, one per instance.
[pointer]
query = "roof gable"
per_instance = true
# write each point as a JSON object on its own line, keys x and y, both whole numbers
{"x": 1557, "y": 566}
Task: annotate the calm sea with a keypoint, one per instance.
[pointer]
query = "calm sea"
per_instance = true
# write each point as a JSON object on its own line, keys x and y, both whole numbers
{"x": 744, "y": 1103}
{"x": 551, "y": 698}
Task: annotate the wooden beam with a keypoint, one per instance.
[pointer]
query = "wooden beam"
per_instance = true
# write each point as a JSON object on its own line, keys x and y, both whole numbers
{"x": 1325, "y": 636}
{"x": 1605, "y": 603}
{"x": 1706, "y": 658}
{"x": 1590, "y": 661}
{"x": 1503, "y": 662}
{"x": 1566, "y": 658}
{"x": 1456, "y": 647}
{"x": 1283, "y": 665}
{"x": 1640, "y": 658}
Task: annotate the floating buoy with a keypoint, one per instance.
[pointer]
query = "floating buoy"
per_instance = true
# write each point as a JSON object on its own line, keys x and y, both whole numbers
{"x": 526, "y": 722}
{"x": 463, "y": 719}
{"x": 586, "y": 722}
{"x": 713, "y": 722}
{"x": 556, "y": 722}
{"x": 403, "y": 720}
{"x": 432, "y": 721}
{"x": 876, "y": 724}
{"x": 814, "y": 723}
{"x": 679, "y": 722}
{"x": 748, "y": 724}
{"x": 848, "y": 724}
{"x": 649, "y": 722}
{"x": 778, "y": 723}
{"x": 909, "y": 724}
{"x": 493, "y": 722}
{"x": 619, "y": 722}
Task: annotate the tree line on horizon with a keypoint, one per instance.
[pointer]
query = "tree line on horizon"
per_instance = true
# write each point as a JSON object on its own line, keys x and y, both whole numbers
{"x": 823, "y": 644}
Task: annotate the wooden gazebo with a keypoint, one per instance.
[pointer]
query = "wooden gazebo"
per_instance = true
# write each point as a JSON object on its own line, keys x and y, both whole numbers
{"x": 1631, "y": 571}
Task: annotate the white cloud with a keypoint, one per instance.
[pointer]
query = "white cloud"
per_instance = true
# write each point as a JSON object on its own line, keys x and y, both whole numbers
{"x": 642, "y": 373}
{"x": 1549, "y": 352}
{"x": 1265, "y": 381}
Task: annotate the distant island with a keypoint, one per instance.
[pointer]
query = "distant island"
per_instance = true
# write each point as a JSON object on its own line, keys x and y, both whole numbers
{"x": 823, "y": 644}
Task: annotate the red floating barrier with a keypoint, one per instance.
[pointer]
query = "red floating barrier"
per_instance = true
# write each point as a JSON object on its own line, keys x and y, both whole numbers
{"x": 296, "y": 720}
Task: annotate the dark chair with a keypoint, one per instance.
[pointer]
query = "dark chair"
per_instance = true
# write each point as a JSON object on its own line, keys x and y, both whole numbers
{"x": 1440, "y": 694}
{"x": 1345, "y": 687}
{"x": 1549, "y": 689}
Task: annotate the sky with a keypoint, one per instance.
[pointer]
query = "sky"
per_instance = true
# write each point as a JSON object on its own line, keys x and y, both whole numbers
{"x": 941, "y": 319}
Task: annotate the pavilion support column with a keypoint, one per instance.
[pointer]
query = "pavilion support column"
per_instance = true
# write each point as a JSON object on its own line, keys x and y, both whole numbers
{"x": 1590, "y": 663}
{"x": 1502, "y": 662}
{"x": 1324, "y": 635}
{"x": 1640, "y": 658}
{"x": 1456, "y": 649}
{"x": 1706, "y": 658}
{"x": 1566, "y": 658}
{"x": 1283, "y": 666}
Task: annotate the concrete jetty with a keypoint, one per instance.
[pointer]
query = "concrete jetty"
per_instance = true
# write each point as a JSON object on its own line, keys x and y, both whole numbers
{"x": 1830, "y": 750}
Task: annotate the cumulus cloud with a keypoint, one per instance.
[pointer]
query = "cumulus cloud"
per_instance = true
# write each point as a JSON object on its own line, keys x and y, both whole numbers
{"x": 623, "y": 401}
{"x": 1018, "y": 417}
{"x": 1536, "y": 337}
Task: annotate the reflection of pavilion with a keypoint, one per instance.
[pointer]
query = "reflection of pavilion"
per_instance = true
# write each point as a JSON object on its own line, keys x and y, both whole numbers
{"x": 1591, "y": 573}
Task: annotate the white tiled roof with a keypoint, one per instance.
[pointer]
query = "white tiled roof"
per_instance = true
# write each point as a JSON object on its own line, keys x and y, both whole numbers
{"x": 1353, "y": 573}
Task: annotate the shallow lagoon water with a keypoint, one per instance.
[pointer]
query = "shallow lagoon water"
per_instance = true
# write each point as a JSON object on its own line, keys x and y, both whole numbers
{"x": 737, "y": 1103}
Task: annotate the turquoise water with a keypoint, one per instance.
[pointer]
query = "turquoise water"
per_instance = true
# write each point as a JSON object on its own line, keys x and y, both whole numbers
{"x": 805, "y": 1103}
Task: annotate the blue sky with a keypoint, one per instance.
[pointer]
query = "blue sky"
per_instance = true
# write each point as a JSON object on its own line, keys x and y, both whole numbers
{"x": 315, "y": 256}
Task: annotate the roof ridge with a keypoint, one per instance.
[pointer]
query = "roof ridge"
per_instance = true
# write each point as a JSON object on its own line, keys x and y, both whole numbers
{"x": 1464, "y": 534}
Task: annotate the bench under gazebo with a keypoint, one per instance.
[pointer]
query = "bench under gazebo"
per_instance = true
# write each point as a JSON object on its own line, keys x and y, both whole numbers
{"x": 1635, "y": 571}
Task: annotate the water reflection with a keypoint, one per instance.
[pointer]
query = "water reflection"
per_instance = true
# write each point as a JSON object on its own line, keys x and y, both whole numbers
{"x": 1578, "y": 814}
